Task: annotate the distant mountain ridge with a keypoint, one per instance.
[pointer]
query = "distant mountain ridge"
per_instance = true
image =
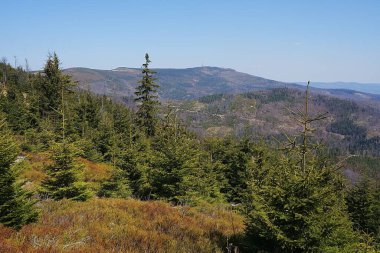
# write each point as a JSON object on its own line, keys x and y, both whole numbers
{"x": 373, "y": 88}
{"x": 186, "y": 83}
{"x": 191, "y": 83}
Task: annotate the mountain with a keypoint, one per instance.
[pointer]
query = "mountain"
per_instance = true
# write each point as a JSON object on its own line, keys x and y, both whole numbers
{"x": 175, "y": 83}
{"x": 190, "y": 83}
{"x": 373, "y": 88}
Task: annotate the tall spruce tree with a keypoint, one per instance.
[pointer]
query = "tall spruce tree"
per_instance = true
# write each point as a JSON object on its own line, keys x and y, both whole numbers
{"x": 146, "y": 96}
{"x": 16, "y": 206}
{"x": 53, "y": 89}
{"x": 53, "y": 83}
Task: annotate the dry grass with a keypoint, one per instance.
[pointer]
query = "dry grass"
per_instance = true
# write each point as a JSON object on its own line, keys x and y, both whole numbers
{"x": 34, "y": 170}
{"x": 115, "y": 225}
{"x": 95, "y": 172}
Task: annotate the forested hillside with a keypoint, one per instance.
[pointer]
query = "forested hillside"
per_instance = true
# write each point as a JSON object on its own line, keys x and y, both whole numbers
{"x": 192, "y": 83}
{"x": 351, "y": 127}
{"x": 176, "y": 83}
{"x": 81, "y": 172}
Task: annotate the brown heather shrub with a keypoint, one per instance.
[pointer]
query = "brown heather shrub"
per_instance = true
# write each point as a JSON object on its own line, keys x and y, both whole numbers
{"x": 95, "y": 172}
{"x": 34, "y": 171}
{"x": 42, "y": 157}
{"x": 34, "y": 168}
{"x": 117, "y": 225}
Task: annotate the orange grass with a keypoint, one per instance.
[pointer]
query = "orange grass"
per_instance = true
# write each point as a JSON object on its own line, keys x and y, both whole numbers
{"x": 95, "y": 172}
{"x": 116, "y": 225}
{"x": 34, "y": 171}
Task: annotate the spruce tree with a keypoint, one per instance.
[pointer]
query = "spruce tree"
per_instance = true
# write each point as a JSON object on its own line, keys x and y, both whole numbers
{"x": 296, "y": 201}
{"x": 180, "y": 170}
{"x": 117, "y": 186}
{"x": 52, "y": 84}
{"x": 234, "y": 160}
{"x": 147, "y": 99}
{"x": 54, "y": 89}
{"x": 63, "y": 180}
{"x": 16, "y": 206}
{"x": 364, "y": 207}
{"x": 136, "y": 161}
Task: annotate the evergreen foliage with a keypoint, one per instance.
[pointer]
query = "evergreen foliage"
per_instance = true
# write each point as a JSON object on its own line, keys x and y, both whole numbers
{"x": 146, "y": 96}
{"x": 16, "y": 206}
{"x": 234, "y": 160}
{"x": 180, "y": 169}
{"x": 363, "y": 202}
{"x": 117, "y": 186}
{"x": 294, "y": 198}
{"x": 296, "y": 201}
{"x": 63, "y": 175}
{"x": 172, "y": 166}
{"x": 348, "y": 127}
{"x": 52, "y": 85}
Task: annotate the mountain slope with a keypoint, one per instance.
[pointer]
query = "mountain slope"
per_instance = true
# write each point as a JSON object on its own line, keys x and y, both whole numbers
{"x": 351, "y": 126}
{"x": 373, "y": 88}
{"x": 175, "y": 83}
{"x": 196, "y": 82}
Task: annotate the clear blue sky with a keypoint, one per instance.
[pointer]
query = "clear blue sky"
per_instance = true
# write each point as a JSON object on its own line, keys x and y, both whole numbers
{"x": 320, "y": 40}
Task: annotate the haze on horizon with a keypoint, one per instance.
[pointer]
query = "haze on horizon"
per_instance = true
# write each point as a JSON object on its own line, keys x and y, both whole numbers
{"x": 289, "y": 41}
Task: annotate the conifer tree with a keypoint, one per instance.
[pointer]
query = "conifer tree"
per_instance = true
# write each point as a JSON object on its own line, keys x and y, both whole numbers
{"x": 146, "y": 96}
{"x": 180, "y": 169}
{"x": 16, "y": 206}
{"x": 52, "y": 91}
{"x": 15, "y": 101}
{"x": 52, "y": 86}
{"x": 364, "y": 207}
{"x": 235, "y": 161}
{"x": 117, "y": 186}
{"x": 296, "y": 201}
{"x": 63, "y": 179}
{"x": 136, "y": 161}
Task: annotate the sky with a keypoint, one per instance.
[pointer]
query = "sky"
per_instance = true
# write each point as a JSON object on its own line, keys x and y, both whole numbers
{"x": 292, "y": 40}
